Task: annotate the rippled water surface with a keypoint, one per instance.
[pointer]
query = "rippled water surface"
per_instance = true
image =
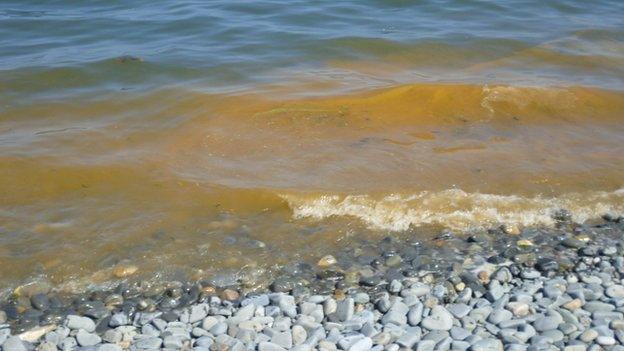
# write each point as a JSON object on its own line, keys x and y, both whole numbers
{"x": 194, "y": 138}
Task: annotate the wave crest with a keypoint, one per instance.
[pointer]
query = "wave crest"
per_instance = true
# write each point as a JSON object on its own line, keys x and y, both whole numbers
{"x": 456, "y": 209}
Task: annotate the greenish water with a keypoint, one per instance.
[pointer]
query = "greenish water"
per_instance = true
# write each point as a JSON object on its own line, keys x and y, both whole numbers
{"x": 63, "y": 48}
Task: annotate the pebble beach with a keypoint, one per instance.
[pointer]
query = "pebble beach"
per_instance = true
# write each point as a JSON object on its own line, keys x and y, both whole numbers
{"x": 356, "y": 175}
{"x": 535, "y": 289}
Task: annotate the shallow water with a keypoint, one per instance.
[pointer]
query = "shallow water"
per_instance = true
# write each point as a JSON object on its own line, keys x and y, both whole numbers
{"x": 191, "y": 139}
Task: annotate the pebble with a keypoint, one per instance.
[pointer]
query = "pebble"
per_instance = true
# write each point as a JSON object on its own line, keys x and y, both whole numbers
{"x": 546, "y": 323}
{"x": 148, "y": 343}
{"x": 77, "y": 322}
{"x": 36, "y": 333}
{"x": 269, "y": 346}
{"x": 47, "y": 346}
{"x": 109, "y": 347}
{"x": 459, "y": 310}
{"x": 40, "y": 302}
{"x": 597, "y": 306}
{"x": 414, "y": 315}
{"x": 123, "y": 271}
{"x": 112, "y": 336}
{"x": 85, "y": 338}
{"x": 299, "y": 335}
{"x": 395, "y": 286}
{"x": 283, "y": 339}
{"x": 484, "y": 303}
{"x": 498, "y": 316}
{"x": 573, "y": 243}
{"x": 577, "y": 347}
{"x": 425, "y": 345}
{"x": 410, "y": 337}
{"x": 14, "y": 343}
{"x": 345, "y": 309}
{"x": 519, "y": 309}
{"x": 361, "y": 298}
{"x": 546, "y": 264}
{"x": 439, "y": 319}
{"x": 396, "y": 315}
{"x": 573, "y": 305}
{"x": 487, "y": 345}
{"x": 363, "y": 344}
{"x": 230, "y": 295}
{"x": 69, "y": 344}
{"x": 327, "y": 261}
{"x": 588, "y": 335}
{"x": 615, "y": 291}
{"x": 603, "y": 340}
{"x": 118, "y": 319}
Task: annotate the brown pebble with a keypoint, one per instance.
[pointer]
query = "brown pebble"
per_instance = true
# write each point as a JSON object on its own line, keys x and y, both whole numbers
{"x": 431, "y": 302}
{"x": 573, "y": 305}
{"x": 339, "y": 294}
{"x": 327, "y": 261}
{"x": 484, "y": 277}
{"x": 123, "y": 271}
{"x": 428, "y": 279}
{"x": 230, "y": 295}
{"x": 209, "y": 290}
{"x": 510, "y": 229}
{"x": 524, "y": 243}
{"x": 32, "y": 289}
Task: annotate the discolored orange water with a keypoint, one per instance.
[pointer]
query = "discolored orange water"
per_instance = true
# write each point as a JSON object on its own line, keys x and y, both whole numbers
{"x": 184, "y": 184}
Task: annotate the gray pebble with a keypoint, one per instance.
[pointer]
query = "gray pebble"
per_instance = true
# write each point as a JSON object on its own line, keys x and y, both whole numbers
{"x": 14, "y": 343}
{"x": 425, "y": 345}
{"x": 361, "y": 298}
{"x": 47, "y": 346}
{"x": 77, "y": 322}
{"x": 148, "y": 343}
{"x": 108, "y": 347}
{"x": 414, "y": 316}
{"x": 605, "y": 340}
{"x": 268, "y": 346}
{"x": 411, "y": 336}
{"x": 112, "y": 336}
{"x": 344, "y": 309}
{"x": 487, "y": 345}
{"x": 299, "y": 335}
{"x": 68, "y": 344}
{"x": 85, "y": 338}
{"x": 439, "y": 319}
{"x": 283, "y": 339}
{"x": 396, "y": 315}
{"x": 174, "y": 342}
{"x": 500, "y": 315}
{"x": 459, "y": 310}
{"x": 589, "y": 335}
{"x": 395, "y": 286}
{"x": 363, "y": 344}
{"x": 118, "y": 319}
{"x": 458, "y": 345}
{"x": 546, "y": 323}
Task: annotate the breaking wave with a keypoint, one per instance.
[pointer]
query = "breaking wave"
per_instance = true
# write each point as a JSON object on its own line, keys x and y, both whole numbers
{"x": 456, "y": 209}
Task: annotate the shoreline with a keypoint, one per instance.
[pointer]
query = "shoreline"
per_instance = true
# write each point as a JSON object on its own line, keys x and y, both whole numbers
{"x": 547, "y": 288}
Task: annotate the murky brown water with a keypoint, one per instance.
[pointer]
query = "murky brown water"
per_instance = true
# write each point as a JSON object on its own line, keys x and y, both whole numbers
{"x": 186, "y": 185}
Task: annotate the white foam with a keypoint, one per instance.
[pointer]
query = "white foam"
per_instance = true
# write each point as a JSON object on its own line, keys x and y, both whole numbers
{"x": 522, "y": 97}
{"x": 455, "y": 208}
